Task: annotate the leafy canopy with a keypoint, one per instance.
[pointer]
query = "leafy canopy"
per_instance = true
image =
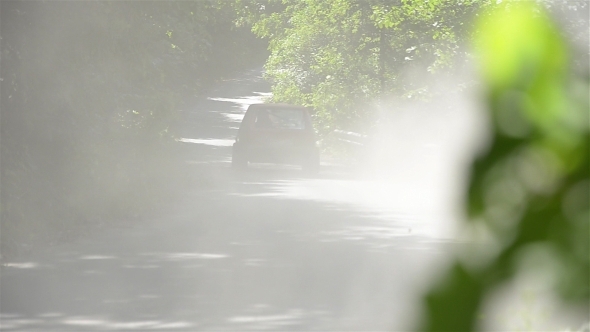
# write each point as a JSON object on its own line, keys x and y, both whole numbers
{"x": 340, "y": 55}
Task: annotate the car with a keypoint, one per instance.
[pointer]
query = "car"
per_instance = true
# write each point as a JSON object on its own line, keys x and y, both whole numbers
{"x": 279, "y": 134}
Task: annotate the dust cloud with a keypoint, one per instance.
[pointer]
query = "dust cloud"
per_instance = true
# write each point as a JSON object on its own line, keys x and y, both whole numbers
{"x": 120, "y": 210}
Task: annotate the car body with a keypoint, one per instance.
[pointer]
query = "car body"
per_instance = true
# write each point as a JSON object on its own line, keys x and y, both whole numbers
{"x": 276, "y": 133}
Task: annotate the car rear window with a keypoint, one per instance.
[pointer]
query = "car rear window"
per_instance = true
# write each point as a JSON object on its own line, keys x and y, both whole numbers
{"x": 279, "y": 118}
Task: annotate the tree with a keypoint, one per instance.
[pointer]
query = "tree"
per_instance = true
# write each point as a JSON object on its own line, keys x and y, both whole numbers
{"x": 338, "y": 56}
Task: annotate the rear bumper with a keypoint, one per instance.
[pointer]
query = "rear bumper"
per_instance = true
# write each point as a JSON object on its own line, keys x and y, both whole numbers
{"x": 282, "y": 154}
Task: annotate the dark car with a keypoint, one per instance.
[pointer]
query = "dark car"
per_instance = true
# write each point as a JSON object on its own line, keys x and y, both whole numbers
{"x": 276, "y": 133}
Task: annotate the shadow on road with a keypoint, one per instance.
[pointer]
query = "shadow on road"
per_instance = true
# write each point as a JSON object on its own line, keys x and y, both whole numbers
{"x": 266, "y": 248}
{"x": 232, "y": 260}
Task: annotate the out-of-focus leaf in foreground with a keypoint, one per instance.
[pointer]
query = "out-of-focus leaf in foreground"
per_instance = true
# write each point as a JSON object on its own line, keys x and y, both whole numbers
{"x": 530, "y": 189}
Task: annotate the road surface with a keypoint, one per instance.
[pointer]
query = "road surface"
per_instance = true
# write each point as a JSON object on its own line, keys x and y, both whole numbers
{"x": 265, "y": 249}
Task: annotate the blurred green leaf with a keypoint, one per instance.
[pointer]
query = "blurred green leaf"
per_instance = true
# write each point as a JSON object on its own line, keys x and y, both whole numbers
{"x": 454, "y": 302}
{"x": 531, "y": 187}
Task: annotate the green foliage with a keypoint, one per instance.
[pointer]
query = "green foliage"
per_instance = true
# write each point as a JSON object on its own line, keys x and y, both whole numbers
{"x": 459, "y": 315}
{"x": 339, "y": 56}
{"x": 531, "y": 188}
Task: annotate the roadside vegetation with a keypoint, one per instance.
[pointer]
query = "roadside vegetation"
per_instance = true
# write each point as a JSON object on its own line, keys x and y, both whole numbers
{"x": 89, "y": 92}
{"x": 341, "y": 57}
{"x": 356, "y": 61}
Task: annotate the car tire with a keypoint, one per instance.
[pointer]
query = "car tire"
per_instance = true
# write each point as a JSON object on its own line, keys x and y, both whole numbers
{"x": 311, "y": 163}
{"x": 238, "y": 159}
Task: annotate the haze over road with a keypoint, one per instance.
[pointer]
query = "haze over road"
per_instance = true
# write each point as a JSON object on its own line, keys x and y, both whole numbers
{"x": 264, "y": 249}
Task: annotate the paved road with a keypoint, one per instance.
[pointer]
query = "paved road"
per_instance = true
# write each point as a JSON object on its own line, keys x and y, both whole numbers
{"x": 265, "y": 249}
